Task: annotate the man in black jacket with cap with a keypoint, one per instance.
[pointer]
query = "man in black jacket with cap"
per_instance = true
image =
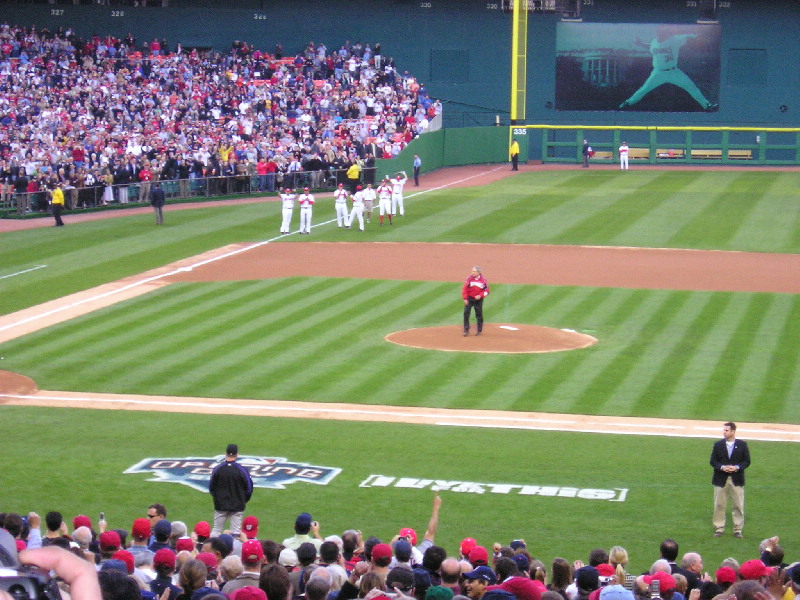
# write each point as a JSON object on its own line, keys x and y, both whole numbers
{"x": 231, "y": 487}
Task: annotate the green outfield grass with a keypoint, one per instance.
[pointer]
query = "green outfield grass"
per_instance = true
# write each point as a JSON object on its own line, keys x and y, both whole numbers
{"x": 661, "y": 353}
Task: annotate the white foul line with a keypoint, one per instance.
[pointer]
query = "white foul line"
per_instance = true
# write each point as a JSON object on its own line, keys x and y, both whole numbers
{"x": 25, "y": 271}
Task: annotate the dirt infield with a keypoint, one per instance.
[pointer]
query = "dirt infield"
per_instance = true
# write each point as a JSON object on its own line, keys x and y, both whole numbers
{"x": 541, "y": 265}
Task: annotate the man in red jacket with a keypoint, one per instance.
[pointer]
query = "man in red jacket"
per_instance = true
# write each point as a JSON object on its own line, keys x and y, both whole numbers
{"x": 475, "y": 289}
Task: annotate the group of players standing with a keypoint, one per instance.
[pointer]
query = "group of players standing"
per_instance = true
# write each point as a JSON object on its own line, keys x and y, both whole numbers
{"x": 389, "y": 195}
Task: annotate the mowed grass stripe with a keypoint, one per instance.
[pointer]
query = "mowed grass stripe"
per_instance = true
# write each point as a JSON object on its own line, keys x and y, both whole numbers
{"x": 778, "y": 198}
{"x": 733, "y": 342}
{"x": 781, "y": 386}
{"x": 680, "y": 360}
{"x": 621, "y": 377}
{"x": 659, "y": 223}
{"x": 275, "y": 347}
{"x": 92, "y": 338}
{"x": 721, "y": 221}
{"x": 351, "y": 345}
{"x": 560, "y": 377}
{"x": 226, "y": 328}
{"x": 624, "y": 210}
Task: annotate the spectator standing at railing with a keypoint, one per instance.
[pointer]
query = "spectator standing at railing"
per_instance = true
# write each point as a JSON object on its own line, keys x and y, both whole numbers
{"x": 183, "y": 169}
{"x": 122, "y": 178}
{"x": 57, "y": 203}
{"x": 145, "y": 177}
{"x": 21, "y": 192}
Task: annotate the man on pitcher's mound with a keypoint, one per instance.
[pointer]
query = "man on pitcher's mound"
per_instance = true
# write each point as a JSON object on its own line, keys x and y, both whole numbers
{"x": 475, "y": 289}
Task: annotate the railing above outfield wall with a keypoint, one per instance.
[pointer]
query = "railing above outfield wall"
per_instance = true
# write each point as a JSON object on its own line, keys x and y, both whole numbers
{"x": 670, "y": 145}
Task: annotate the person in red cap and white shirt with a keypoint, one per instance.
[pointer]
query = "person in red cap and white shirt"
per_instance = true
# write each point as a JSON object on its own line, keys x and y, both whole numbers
{"x": 287, "y": 200}
{"x": 340, "y": 201}
{"x": 358, "y": 209}
{"x": 410, "y": 535}
{"x": 474, "y": 290}
{"x": 306, "y": 202}
{"x": 252, "y": 558}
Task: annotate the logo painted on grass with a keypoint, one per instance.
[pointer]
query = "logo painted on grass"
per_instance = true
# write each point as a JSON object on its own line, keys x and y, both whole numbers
{"x": 267, "y": 471}
{"x": 472, "y": 487}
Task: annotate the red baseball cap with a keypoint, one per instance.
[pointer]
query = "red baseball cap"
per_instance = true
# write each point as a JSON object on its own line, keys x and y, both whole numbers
{"x": 82, "y": 521}
{"x": 125, "y": 557}
{"x": 249, "y": 592}
{"x": 467, "y": 544}
{"x": 203, "y": 529}
{"x": 184, "y": 543}
{"x": 666, "y": 580}
{"x": 250, "y": 527}
{"x": 381, "y": 551}
{"x": 407, "y": 531}
{"x": 478, "y": 556}
{"x": 141, "y": 529}
{"x": 110, "y": 539}
{"x": 725, "y": 575}
{"x": 164, "y": 557}
{"x": 252, "y": 551}
{"x": 754, "y": 569}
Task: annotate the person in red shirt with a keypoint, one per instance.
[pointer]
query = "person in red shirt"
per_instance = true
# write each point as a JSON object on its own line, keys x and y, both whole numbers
{"x": 475, "y": 289}
{"x": 145, "y": 177}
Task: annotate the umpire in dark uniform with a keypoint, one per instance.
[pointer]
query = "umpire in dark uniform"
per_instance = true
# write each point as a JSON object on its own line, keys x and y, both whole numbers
{"x": 729, "y": 458}
{"x": 231, "y": 488}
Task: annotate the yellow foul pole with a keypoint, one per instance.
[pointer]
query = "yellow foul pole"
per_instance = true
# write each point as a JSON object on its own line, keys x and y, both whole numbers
{"x": 519, "y": 60}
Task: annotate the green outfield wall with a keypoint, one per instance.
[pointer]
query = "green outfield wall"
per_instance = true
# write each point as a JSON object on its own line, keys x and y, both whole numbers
{"x": 454, "y": 147}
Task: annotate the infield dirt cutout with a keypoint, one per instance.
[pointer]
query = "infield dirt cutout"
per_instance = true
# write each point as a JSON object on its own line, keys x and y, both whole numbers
{"x": 496, "y": 338}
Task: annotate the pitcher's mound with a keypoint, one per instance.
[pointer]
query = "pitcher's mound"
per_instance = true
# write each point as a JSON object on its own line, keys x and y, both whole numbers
{"x": 496, "y": 337}
{"x": 16, "y": 385}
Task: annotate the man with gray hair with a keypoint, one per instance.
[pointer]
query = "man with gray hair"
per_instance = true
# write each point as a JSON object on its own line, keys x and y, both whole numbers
{"x": 692, "y": 569}
{"x": 474, "y": 290}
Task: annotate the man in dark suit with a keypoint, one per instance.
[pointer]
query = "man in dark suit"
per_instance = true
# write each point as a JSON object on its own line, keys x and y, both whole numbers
{"x": 729, "y": 458}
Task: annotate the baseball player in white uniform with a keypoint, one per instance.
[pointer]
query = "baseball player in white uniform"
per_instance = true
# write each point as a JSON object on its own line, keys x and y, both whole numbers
{"x": 358, "y": 209}
{"x": 397, "y": 193}
{"x": 340, "y": 198}
{"x": 369, "y": 195}
{"x": 306, "y": 201}
{"x": 623, "y": 157}
{"x": 287, "y": 198}
{"x": 385, "y": 200}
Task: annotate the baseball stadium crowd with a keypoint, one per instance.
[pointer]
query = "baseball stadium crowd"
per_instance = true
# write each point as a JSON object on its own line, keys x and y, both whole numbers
{"x": 164, "y": 559}
{"x": 105, "y": 116}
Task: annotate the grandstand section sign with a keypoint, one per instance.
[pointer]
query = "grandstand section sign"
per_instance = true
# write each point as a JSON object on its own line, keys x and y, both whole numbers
{"x": 266, "y": 471}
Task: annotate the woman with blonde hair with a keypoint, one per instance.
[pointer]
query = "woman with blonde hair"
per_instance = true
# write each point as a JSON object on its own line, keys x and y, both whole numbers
{"x": 618, "y": 558}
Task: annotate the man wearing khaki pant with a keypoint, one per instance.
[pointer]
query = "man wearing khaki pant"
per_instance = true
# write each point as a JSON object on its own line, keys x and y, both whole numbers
{"x": 729, "y": 458}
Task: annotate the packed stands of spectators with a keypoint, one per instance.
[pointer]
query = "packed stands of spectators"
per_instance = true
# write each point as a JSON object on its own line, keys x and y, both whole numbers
{"x": 162, "y": 557}
{"x": 106, "y": 116}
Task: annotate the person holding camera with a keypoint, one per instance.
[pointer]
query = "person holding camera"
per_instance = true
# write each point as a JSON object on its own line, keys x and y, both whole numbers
{"x": 302, "y": 526}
